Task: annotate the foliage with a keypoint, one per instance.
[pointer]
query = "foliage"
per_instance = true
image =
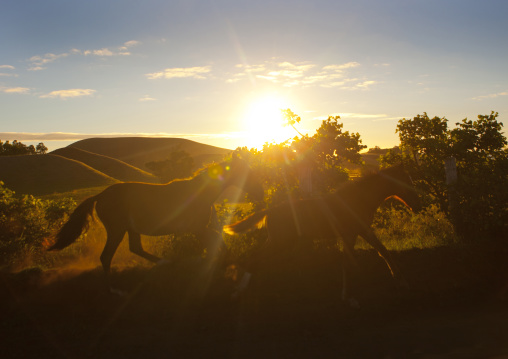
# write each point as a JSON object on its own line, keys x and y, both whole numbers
{"x": 17, "y": 148}
{"x": 179, "y": 164}
{"x": 401, "y": 229}
{"x": 240, "y": 246}
{"x": 479, "y": 148}
{"x": 27, "y": 222}
{"x": 282, "y": 166}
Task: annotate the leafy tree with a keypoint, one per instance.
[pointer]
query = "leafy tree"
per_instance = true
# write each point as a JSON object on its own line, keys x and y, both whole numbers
{"x": 41, "y": 149}
{"x": 324, "y": 154}
{"x": 17, "y": 148}
{"x": 179, "y": 164}
{"x": 479, "y": 148}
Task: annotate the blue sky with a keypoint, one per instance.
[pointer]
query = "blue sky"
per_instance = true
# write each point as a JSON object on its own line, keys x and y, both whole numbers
{"x": 205, "y": 70}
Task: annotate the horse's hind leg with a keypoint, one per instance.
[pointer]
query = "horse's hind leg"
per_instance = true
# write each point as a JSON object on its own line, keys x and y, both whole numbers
{"x": 136, "y": 247}
{"x": 113, "y": 240}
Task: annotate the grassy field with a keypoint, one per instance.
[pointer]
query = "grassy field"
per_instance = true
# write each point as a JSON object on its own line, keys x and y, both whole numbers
{"x": 47, "y": 174}
{"x": 107, "y": 165}
{"x": 456, "y": 307}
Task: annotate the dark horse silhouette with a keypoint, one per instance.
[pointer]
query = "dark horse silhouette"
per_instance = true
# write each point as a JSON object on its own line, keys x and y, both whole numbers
{"x": 180, "y": 206}
{"x": 343, "y": 215}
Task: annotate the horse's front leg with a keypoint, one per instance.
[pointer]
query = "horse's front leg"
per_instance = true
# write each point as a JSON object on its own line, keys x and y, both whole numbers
{"x": 371, "y": 238}
{"x": 348, "y": 262}
{"x": 261, "y": 257}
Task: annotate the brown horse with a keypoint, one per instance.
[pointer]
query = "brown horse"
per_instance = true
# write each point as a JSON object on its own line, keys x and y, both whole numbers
{"x": 343, "y": 215}
{"x": 180, "y": 206}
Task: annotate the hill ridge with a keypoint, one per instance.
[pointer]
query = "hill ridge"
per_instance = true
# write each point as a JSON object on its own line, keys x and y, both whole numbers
{"x": 112, "y": 167}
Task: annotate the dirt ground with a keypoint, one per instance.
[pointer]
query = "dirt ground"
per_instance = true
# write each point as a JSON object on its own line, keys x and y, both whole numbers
{"x": 456, "y": 307}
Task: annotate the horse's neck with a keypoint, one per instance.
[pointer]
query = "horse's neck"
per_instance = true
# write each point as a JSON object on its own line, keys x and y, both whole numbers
{"x": 375, "y": 193}
{"x": 207, "y": 189}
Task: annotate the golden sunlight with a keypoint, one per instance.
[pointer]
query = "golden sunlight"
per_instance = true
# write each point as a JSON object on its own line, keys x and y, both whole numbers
{"x": 264, "y": 122}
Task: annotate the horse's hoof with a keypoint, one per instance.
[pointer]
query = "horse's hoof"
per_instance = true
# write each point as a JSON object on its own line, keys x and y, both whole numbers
{"x": 118, "y": 292}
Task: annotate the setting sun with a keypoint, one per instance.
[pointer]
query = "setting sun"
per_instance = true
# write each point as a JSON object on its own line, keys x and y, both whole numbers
{"x": 264, "y": 122}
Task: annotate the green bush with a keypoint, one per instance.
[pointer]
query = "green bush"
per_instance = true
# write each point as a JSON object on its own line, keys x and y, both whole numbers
{"x": 26, "y": 224}
{"x": 400, "y": 229}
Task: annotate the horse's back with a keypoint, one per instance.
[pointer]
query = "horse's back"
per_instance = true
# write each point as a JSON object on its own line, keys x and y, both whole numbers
{"x": 152, "y": 209}
{"x": 311, "y": 218}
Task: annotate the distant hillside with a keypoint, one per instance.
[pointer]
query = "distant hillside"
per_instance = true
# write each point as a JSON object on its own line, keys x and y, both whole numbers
{"x": 137, "y": 151}
{"x": 109, "y": 166}
{"x": 47, "y": 174}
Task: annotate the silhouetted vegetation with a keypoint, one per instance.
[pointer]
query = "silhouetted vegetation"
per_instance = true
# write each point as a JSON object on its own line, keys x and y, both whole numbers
{"x": 479, "y": 148}
{"x": 179, "y": 164}
{"x": 17, "y": 148}
{"x": 26, "y": 223}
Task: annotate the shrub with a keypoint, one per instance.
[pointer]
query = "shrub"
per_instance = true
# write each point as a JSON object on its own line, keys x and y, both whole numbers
{"x": 26, "y": 223}
{"x": 399, "y": 228}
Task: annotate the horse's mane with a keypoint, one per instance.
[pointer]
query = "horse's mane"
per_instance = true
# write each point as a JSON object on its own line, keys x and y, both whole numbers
{"x": 199, "y": 172}
{"x": 370, "y": 178}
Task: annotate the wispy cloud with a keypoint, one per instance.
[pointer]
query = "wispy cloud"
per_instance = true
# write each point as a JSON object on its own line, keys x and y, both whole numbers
{"x": 493, "y": 95}
{"x": 197, "y": 72}
{"x": 362, "y": 116}
{"x": 147, "y": 98}
{"x": 70, "y": 136}
{"x": 113, "y": 51}
{"x": 304, "y": 74}
{"x": 8, "y": 67}
{"x": 39, "y": 62}
{"x": 17, "y": 90}
{"x": 340, "y": 67}
{"x": 64, "y": 94}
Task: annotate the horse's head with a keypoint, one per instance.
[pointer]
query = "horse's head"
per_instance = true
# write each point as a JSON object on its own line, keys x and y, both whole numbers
{"x": 402, "y": 186}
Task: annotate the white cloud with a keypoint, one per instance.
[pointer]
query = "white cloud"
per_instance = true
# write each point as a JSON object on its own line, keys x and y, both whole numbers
{"x": 18, "y": 90}
{"x": 366, "y": 116}
{"x": 101, "y": 52}
{"x": 63, "y": 94}
{"x": 114, "y": 51}
{"x": 197, "y": 72}
{"x": 341, "y": 67}
{"x": 302, "y": 74}
{"x": 38, "y": 62}
{"x": 147, "y": 98}
{"x": 492, "y": 95}
{"x": 131, "y": 43}
{"x": 365, "y": 84}
{"x": 9, "y": 67}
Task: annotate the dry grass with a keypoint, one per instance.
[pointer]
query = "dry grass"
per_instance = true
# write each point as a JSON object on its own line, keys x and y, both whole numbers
{"x": 109, "y": 166}
{"x": 47, "y": 174}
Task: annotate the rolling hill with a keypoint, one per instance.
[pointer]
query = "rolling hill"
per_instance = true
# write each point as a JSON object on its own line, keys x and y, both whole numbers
{"x": 109, "y": 166}
{"x": 47, "y": 174}
{"x": 137, "y": 151}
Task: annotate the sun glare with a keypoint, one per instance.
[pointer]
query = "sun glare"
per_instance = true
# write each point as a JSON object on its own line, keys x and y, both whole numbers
{"x": 264, "y": 122}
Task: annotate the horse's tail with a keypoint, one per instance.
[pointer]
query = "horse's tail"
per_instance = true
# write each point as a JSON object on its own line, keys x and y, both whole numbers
{"x": 77, "y": 222}
{"x": 247, "y": 223}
